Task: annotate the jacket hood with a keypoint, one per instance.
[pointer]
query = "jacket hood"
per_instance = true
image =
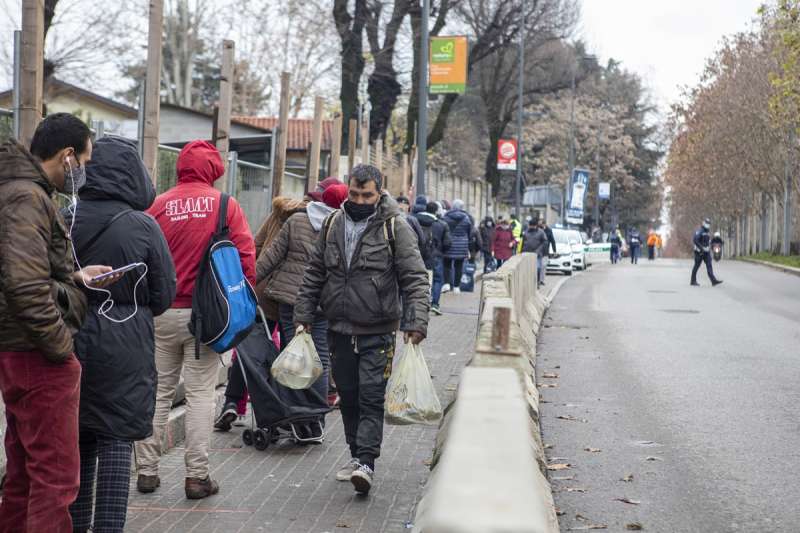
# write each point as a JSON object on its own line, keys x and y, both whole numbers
{"x": 283, "y": 207}
{"x": 17, "y": 163}
{"x": 456, "y": 214}
{"x": 116, "y": 172}
{"x": 387, "y": 208}
{"x": 199, "y": 162}
{"x": 426, "y": 219}
{"x": 317, "y": 213}
{"x": 420, "y": 204}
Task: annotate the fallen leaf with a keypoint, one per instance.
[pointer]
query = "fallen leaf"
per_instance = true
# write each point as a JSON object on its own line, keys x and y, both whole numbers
{"x": 427, "y": 462}
{"x": 586, "y": 528}
{"x": 548, "y": 385}
{"x": 344, "y": 525}
{"x": 582, "y": 518}
{"x": 628, "y": 501}
{"x": 558, "y": 366}
{"x": 628, "y": 478}
{"x": 563, "y": 478}
{"x": 634, "y": 526}
{"x": 548, "y": 446}
{"x": 559, "y": 466}
{"x": 572, "y": 418}
{"x": 654, "y": 459}
{"x": 592, "y": 450}
{"x": 576, "y": 489}
{"x": 550, "y": 375}
{"x": 559, "y": 512}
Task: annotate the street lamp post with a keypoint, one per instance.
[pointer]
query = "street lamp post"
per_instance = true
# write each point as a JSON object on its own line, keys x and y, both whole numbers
{"x": 422, "y": 123}
{"x": 521, "y": 89}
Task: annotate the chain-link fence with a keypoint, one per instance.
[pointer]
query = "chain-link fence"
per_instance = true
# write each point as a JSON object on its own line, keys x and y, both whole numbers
{"x": 6, "y": 125}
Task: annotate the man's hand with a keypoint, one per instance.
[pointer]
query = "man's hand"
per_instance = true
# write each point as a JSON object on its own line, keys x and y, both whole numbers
{"x": 306, "y": 327}
{"x": 414, "y": 337}
{"x": 85, "y": 276}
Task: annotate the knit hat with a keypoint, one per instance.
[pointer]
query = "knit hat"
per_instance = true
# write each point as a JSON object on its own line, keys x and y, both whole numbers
{"x": 316, "y": 195}
{"x": 335, "y": 195}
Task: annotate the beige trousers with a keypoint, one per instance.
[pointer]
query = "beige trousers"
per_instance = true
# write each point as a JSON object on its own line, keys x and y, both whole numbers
{"x": 175, "y": 352}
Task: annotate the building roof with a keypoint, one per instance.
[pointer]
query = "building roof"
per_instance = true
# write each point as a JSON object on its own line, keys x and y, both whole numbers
{"x": 300, "y": 130}
{"x": 234, "y": 120}
{"x": 54, "y": 86}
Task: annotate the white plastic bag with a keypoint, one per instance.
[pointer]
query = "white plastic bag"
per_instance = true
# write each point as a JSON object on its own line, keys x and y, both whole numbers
{"x": 298, "y": 366}
{"x": 410, "y": 395}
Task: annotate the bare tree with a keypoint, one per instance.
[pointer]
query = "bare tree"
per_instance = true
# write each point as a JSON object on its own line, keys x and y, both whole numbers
{"x": 350, "y": 29}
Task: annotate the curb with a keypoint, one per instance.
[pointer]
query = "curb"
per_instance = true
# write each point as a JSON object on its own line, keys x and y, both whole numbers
{"x": 775, "y": 266}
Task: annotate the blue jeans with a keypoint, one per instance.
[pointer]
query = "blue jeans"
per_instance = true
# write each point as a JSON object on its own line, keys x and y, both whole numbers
{"x": 540, "y": 268}
{"x": 438, "y": 281}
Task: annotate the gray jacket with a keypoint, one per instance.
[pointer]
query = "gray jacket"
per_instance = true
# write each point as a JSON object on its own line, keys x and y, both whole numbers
{"x": 535, "y": 242}
{"x": 359, "y": 280}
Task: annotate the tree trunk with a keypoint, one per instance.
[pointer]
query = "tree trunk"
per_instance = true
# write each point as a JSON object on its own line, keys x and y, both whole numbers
{"x": 350, "y": 30}
{"x": 383, "y": 90}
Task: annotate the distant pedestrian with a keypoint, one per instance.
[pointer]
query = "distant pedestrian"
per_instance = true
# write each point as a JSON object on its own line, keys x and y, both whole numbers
{"x": 535, "y": 242}
{"x": 486, "y": 231}
{"x": 504, "y": 243}
{"x": 516, "y": 229}
{"x": 118, "y": 380}
{"x": 702, "y": 253}
{"x": 615, "y": 239}
{"x": 461, "y": 233}
{"x": 635, "y": 244}
{"x": 41, "y": 308}
{"x": 405, "y": 208}
{"x": 550, "y": 237}
{"x": 188, "y": 215}
{"x": 420, "y": 205}
{"x": 652, "y": 243}
{"x": 364, "y": 308}
{"x": 438, "y": 242}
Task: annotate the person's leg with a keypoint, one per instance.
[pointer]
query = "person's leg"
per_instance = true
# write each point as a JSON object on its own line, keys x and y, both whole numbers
{"x": 169, "y": 361}
{"x": 540, "y": 268}
{"x": 709, "y": 267}
{"x": 200, "y": 378}
{"x": 438, "y": 281}
{"x": 286, "y": 322}
{"x": 319, "y": 333}
{"x": 81, "y": 509}
{"x": 698, "y": 260}
{"x": 447, "y": 270}
{"x": 345, "y": 373}
{"x": 44, "y": 437}
{"x": 235, "y": 390}
{"x": 375, "y": 353}
{"x": 459, "y": 271}
{"x": 14, "y": 504}
{"x": 113, "y": 482}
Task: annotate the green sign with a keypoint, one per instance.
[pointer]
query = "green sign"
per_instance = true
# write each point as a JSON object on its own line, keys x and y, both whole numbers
{"x": 448, "y": 65}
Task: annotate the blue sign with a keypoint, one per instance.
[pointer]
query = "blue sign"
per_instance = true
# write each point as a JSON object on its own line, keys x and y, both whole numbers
{"x": 578, "y": 186}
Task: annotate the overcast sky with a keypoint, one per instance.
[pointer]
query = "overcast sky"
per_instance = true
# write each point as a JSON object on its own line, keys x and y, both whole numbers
{"x": 665, "y": 41}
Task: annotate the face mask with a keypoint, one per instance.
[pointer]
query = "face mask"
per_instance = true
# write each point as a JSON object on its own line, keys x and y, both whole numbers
{"x": 74, "y": 179}
{"x": 358, "y": 212}
{"x": 707, "y": 226}
{"x": 489, "y": 224}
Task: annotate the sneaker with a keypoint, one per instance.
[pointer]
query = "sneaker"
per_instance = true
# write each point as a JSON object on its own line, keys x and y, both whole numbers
{"x": 147, "y": 484}
{"x": 227, "y": 417}
{"x": 715, "y": 283}
{"x": 446, "y": 287}
{"x": 457, "y": 290}
{"x": 694, "y": 284}
{"x": 346, "y": 472}
{"x": 435, "y": 310}
{"x": 362, "y": 479}
{"x": 197, "y": 489}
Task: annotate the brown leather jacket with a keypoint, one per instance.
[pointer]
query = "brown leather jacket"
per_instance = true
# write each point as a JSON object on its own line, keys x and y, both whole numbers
{"x": 40, "y": 305}
{"x": 384, "y": 288}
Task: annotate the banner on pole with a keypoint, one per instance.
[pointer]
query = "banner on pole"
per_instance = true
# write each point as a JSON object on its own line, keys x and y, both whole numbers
{"x": 507, "y": 154}
{"x": 447, "y": 65}
{"x": 578, "y": 185}
{"x": 604, "y": 190}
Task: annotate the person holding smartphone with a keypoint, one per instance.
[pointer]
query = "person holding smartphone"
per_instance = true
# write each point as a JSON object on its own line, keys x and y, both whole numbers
{"x": 116, "y": 346}
{"x": 41, "y": 308}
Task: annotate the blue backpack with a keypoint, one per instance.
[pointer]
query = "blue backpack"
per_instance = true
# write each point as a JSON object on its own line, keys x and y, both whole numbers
{"x": 223, "y": 302}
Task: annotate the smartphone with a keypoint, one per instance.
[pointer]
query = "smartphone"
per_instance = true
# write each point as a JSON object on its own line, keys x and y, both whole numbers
{"x": 115, "y": 272}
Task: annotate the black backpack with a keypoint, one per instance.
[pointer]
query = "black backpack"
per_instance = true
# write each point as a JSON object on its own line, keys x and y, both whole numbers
{"x": 223, "y": 302}
{"x": 427, "y": 248}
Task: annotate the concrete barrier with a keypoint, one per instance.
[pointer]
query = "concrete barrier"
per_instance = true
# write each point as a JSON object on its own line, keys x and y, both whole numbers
{"x": 489, "y": 469}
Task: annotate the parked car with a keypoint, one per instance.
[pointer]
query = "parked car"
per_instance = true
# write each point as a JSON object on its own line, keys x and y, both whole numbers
{"x": 578, "y": 249}
{"x": 561, "y": 261}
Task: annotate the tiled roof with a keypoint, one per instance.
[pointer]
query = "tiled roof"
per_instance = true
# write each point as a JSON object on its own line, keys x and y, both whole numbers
{"x": 299, "y": 130}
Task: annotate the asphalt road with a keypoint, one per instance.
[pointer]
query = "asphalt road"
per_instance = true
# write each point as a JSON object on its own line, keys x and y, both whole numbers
{"x": 694, "y": 391}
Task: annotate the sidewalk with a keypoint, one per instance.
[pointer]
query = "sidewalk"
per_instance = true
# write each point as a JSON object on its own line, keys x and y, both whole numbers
{"x": 294, "y": 490}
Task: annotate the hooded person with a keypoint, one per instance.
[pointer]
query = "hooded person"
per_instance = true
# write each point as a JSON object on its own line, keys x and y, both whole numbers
{"x": 504, "y": 242}
{"x": 116, "y": 345}
{"x": 486, "y": 231}
{"x": 420, "y": 205}
{"x": 283, "y": 263}
{"x": 188, "y": 215}
{"x": 461, "y": 233}
{"x": 437, "y": 237}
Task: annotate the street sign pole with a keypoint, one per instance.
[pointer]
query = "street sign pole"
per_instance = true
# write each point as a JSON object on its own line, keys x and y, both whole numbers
{"x": 422, "y": 122}
{"x": 520, "y": 93}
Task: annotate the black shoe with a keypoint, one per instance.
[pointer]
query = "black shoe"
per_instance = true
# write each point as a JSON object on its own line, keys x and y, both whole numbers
{"x": 694, "y": 284}
{"x": 435, "y": 310}
{"x": 227, "y": 417}
{"x": 717, "y": 282}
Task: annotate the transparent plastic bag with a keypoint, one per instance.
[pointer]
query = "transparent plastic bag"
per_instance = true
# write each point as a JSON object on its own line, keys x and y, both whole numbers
{"x": 298, "y": 366}
{"x": 410, "y": 395}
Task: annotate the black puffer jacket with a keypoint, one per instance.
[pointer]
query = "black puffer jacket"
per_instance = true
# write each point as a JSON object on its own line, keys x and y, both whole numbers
{"x": 118, "y": 384}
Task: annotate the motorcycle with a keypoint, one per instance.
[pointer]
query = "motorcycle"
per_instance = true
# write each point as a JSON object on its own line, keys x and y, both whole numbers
{"x": 716, "y": 251}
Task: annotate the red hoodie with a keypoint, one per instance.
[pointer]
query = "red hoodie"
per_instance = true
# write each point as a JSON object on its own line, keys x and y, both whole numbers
{"x": 187, "y": 214}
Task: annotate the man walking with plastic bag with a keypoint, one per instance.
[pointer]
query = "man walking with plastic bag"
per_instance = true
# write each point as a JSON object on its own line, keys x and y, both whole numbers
{"x": 367, "y": 275}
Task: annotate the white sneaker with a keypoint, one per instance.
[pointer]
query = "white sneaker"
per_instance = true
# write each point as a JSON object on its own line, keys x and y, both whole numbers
{"x": 362, "y": 479}
{"x": 457, "y": 290}
{"x": 346, "y": 472}
{"x": 446, "y": 287}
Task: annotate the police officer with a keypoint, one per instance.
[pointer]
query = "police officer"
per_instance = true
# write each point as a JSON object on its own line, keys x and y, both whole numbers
{"x": 702, "y": 253}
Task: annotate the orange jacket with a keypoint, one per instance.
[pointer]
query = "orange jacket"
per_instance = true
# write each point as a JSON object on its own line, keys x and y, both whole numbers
{"x": 652, "y": 240}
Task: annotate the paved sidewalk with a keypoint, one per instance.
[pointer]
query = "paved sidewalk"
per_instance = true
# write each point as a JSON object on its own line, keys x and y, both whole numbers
{"x": 294, "y": 490}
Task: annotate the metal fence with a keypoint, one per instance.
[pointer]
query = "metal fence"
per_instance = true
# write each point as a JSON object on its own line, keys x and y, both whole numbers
{"x": 6, "y": 125}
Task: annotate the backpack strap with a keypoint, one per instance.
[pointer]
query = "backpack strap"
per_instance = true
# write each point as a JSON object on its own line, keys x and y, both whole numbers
{"x": 326, "y": 226}
{"x": 99, "y": 234}
{"x": 222, "y": 220}
{"x": 388, "y": 233}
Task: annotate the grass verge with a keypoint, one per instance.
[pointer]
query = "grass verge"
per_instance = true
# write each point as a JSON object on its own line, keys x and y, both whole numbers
{"x": 785, "y": 260}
